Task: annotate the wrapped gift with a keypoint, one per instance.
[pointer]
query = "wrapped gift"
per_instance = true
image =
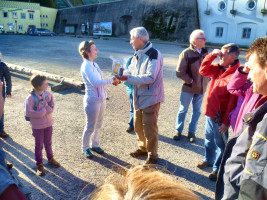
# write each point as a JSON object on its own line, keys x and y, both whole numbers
{"x": 117, "y": 66}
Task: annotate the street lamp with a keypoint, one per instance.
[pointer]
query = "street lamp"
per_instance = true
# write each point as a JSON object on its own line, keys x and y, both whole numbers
{"x": 16, "y": 26}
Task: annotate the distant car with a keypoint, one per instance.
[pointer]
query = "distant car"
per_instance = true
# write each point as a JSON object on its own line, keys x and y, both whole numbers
{"x": 41, "y": 31}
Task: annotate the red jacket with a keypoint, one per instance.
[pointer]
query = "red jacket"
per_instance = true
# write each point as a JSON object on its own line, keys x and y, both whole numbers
{"x": 218, "y": 98}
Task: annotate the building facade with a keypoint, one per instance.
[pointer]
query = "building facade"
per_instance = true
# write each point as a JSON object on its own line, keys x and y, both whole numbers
{"x": 18, "y": 17}
{"x": 237, "y": 21}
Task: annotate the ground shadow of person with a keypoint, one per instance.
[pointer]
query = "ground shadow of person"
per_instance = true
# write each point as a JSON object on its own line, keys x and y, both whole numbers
{"x": 187, "y": 174}
{"x": 58, "y": 183}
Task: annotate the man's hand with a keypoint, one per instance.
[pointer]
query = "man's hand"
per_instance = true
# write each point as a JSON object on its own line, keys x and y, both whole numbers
{"x": 216, "y": 52}
{"x": 122, "y": 78}
{"x": 116, "y": 81}
{"x": 223, "y": 128}
{"x": 246, "y": 68}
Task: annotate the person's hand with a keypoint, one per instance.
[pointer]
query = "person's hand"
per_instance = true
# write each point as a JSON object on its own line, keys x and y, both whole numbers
{"x": 122, "y": 78}
{"x": 216, "y": 52}
{"x": 246, "y": 68}
{"x": 8, "y": 95}
{"x": 116, "y": 81}
{"x": 223, "y": 128}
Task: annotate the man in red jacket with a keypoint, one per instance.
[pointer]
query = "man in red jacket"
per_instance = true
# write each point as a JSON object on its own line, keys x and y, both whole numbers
{"x": 219, "y": 104}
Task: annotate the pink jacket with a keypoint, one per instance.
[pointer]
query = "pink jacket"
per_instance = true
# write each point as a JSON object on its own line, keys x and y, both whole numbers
{"x": 239, "y": 86}
{"x": 42, "y": 117}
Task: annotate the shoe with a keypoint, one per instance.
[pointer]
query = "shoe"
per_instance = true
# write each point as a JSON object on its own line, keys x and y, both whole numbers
{"x": 137, "y": 153}
{"x": 3, "y": 134}
{"x": 97, "y": 150}
{"x": 213, "y": 176}
{"x": 192, "y": 137}
{"x": 40, "y": 170}
{"x": 151, "y": 161}
{"x": 203, "y": 164}
{"x": 88, "y": 153}
{"x": 9, "y": 165}
{"x": 129, "y": 129}
{"x": 53, "y": 163}
{"x": 177, "y": 136}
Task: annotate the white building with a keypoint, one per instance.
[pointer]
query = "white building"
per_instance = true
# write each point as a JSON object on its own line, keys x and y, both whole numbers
{"x": 237, "y": 21}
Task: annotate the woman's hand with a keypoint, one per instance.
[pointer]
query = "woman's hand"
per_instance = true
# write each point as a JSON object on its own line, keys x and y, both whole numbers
{"x": 115, "y": 81}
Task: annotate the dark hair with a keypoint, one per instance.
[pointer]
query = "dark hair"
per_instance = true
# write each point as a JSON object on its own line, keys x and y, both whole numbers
{"x": 85, "y": 46}
{"x": 36, "y": 81}
{"x": 259, "y": 47}
{"x": 232, "y": 48}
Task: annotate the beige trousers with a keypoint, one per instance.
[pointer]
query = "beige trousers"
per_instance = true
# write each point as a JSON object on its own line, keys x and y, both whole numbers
{"x": 146, "y": 129}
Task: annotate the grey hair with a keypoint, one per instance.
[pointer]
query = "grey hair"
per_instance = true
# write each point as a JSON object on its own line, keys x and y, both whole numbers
{"x": 232, "y": 49}
{"x": 194, "y": 35}
{"x": 140, "y": 32}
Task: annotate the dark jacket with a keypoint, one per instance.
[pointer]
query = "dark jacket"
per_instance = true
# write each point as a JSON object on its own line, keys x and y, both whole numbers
{"x": 188, "y": 70}
{"x": 5, "y": 78}
{"x": 245, "y": 159}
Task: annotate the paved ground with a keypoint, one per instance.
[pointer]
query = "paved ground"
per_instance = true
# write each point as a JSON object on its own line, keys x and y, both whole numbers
{"x": 59, "y": 55}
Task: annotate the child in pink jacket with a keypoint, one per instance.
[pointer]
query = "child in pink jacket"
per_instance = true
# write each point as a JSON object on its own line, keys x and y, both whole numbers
{"x": 39, "y": 107}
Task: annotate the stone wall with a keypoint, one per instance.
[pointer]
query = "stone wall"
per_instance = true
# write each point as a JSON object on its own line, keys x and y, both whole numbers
{"x": 175, "y": 18}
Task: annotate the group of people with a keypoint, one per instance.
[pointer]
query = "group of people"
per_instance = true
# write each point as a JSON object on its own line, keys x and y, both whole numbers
{"x": 236, "y": 96}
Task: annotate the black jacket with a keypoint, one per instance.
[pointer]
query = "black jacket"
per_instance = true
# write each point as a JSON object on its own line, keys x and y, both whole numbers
{"x": 5, "y": 78}
{"x": 244, "y": 163}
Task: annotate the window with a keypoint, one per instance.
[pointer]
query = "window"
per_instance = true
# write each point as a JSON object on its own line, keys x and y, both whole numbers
{"x": 43, "y": 16}
{"x": 46, "y": 16}
{"x": 40, "y": 16}
{"x": 31, "y": 16}
{"x": 5, "y": 14}
{"x": 22, "y": 16}
{"x": 1, "y": 27}
{"x": 221, "y": 6}
{"x": 219, "y": 31}
{"x": 46, "y": 25}
{"x": 20, "y": 28}
{"x": 14, "y": 15}
{"x": 251, "y": 4}
{"x": 246, "y": 33}
{"x": 43, "y": 24}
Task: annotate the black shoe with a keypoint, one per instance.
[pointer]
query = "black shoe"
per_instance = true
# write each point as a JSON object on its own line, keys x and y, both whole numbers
{"x": 3, "y": 134}
{"x": 192, "y": 137}
{"x": 151, "y": 161}
{"x": 137, "y": 153}
{"x": 9, "y": 165}
{"x": 129, "y": 129}
{"x": 213, "y": 176}
{"x": 177, "y": 136}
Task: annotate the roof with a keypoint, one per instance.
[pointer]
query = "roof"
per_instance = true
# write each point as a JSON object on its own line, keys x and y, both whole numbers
{"x": 20, "y": 5}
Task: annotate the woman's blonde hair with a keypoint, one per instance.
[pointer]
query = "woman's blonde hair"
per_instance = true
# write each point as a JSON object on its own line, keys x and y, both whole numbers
{"x": 144, "y": 183}
{"x": 85, "y": 46}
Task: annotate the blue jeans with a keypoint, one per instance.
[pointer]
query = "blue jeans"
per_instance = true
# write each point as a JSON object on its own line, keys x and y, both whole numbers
{"x": 213, "y": 142}
{"x": 2, "y": 157}
{"x": 185, "y": 101}
{"x": 2, "y": 117}
{"x": 130, "y": 123}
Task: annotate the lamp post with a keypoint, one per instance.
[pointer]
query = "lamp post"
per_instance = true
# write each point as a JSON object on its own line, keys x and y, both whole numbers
{"x": 16, "y": 26}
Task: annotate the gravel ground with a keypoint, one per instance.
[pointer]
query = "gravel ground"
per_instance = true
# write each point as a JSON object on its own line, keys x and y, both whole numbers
{"x": 79, "y": 176}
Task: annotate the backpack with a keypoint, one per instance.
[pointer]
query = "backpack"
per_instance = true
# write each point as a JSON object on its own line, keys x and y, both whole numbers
{"x": 36, "y": 103}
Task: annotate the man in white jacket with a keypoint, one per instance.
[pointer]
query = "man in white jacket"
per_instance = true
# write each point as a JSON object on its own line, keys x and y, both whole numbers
{"x": 146, "y": 74}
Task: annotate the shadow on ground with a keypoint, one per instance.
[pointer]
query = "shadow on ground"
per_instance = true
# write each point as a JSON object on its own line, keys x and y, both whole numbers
{"x": 58, "y": 183}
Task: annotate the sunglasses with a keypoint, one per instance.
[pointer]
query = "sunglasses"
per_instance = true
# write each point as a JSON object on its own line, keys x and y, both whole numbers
{"x": 202, "y": 39}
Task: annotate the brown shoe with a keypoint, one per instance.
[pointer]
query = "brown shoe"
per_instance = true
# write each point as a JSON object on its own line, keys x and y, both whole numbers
{"x": 203, "y": 164}
{"x": 40, "y": 170}
{"x": 9, "y": 165}
{"x": 53, "y": 163}
{"x": 137, "y": 153}
{"x": 213, "y": 176}
{"x": 3, "y": 134}
{"x": 151, "y": 161}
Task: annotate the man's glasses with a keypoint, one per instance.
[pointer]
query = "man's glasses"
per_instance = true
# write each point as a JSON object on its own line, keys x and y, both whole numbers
{"x": 202, "y": 39}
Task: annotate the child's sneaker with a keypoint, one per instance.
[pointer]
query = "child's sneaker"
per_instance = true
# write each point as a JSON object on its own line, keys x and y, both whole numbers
{"x": 97, "y": 150}
{"x": 40, "y": 170}
{"x": 53, "y": 163}
{"x": 88, "y": 153}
